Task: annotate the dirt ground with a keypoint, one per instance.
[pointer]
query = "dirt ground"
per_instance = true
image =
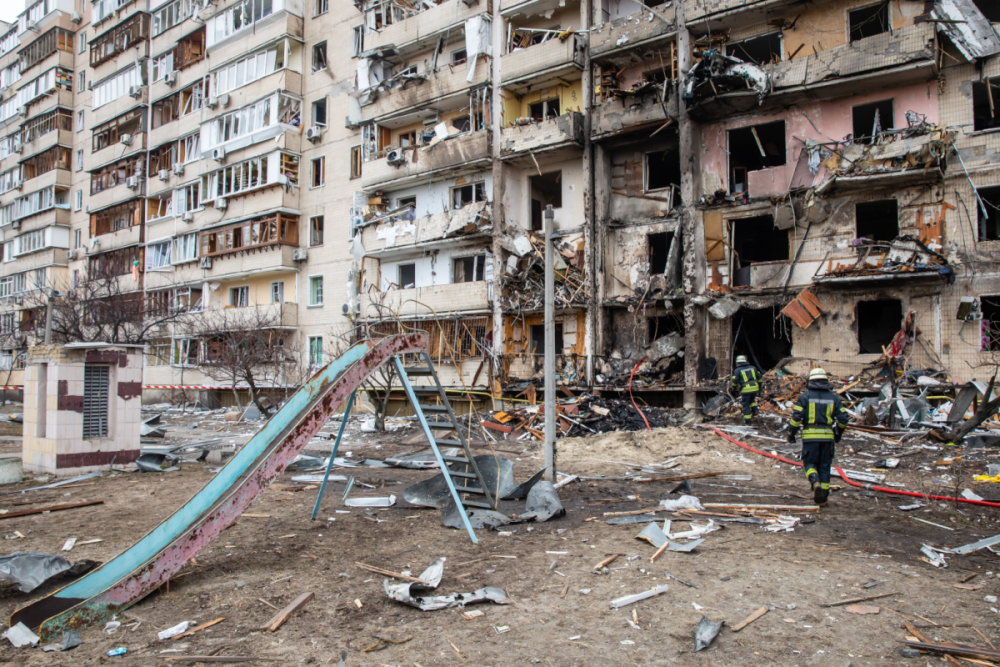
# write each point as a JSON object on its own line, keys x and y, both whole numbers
{"x": 559, "y": 612}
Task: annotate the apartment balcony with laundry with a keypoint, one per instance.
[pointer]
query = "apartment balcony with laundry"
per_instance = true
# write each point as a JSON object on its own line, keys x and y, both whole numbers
{"x": 406, "y": 30}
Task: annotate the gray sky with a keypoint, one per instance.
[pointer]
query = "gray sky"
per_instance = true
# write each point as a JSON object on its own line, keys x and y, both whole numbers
{"x": 9, "y": 9}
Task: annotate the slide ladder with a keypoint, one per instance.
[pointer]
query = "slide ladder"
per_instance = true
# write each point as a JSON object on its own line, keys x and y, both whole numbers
{"x": 149, "y": 563}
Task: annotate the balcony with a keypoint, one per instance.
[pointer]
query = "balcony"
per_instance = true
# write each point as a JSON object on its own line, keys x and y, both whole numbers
{"x": 114, "y": 240}
{"x": 399, "y": 235}
{"x": 630, "y": 113}
{"x": 624, "y": 34}
{"x": 37, "y": 260}
{"x": 118, "y": 107}
{"x": 447, "y": 82}
{"x": 462, "y": 152}
{"x": 889, "y": 60}
{"x": 185, "y": 77}
{"x": 423, "y": 29}
{"x": 181, "y": 127}
{"x": 273, "y": 258}
{"x": 443, "y": 299}
{"x": 553, "y": 59}
{"x": 269, "y": 316}
{"x": 552, "y": 140}
{"x": 57, "y": 58}
{"x": 116, "y": 193}
{"x": 45, "y": 142}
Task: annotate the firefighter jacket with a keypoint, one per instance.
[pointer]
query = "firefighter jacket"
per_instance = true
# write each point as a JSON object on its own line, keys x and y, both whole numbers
{"x": 817, "y": 412}
{"x": 746, "y": 378}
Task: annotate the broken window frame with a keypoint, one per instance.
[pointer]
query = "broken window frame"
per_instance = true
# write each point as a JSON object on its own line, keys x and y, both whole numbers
{"x": 316, "y": 224}
{"x": 185, "y": 352}
{"x": 883, "y": 5}
{"x": 57, "y": 157}
{"x": 172, "y": 14}
{"x": 988, "y": 88}
{"x": 116, "y": 173}
{"x": 109, "y": 134}
{"x": 117, "y": 262}
{"x": 356, "y": 162}
{"x": 476, "y": 192}
{"x": 733, "y": 167}
{"x": 239, "y": 296}
{"x": 130, "y": 32}
{"x": 116, "y": 218}
{"x": 264, "y": 113}
{"x": 240, "y": 16}
{"x": 735, "y": 49}
{"x": 158, "y": 255}
{"x": 382, "y": 13}
{"x": 52, "y": 40}
{"x": 988, "y": 197}
{"x": 317, "y": 172}
{"x": 319, "y": 60}
{"x": 478, "y": 268}
{"x": 259, "y": 232}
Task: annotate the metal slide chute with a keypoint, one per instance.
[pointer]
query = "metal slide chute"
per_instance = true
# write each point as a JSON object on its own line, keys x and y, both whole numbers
{"x": 150, "y": 562}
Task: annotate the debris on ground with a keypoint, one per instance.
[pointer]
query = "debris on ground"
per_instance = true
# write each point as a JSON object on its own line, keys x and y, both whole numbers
{"x": 412, "y": 594}
{"x": 706, "y": 631}
{"x": 30, "y": 569}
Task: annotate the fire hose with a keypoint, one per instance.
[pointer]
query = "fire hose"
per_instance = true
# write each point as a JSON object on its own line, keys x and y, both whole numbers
{"x": 843, "y": 476}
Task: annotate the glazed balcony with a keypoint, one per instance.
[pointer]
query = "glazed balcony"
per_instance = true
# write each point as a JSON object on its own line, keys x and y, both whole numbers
{"x": 422, "y": 30}
{"x": 464, "y": 152}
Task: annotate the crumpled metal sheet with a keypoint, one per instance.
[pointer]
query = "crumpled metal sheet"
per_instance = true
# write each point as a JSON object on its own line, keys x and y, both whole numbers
{"x": 30, "y": 569}
{"x": 524, "y": 487}
{"x": 434, "y": 492}
{"x": 20, "y": 636}
{"x": 967, "y": 28}
{"x": 705, "y": 633}
{"x": 154, "y": 463}
{"x": 70, "y": 640}
{"x": 478, "y": 518}
{"x": 411, "y": 593}
{"x": 543, "y": 503}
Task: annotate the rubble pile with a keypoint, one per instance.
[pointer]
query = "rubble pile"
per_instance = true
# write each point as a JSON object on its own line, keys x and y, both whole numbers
{"x": 523, "y": 283}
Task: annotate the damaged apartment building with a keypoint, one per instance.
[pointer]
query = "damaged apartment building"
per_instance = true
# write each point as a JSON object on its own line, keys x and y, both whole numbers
{"x": 793, "y": 181}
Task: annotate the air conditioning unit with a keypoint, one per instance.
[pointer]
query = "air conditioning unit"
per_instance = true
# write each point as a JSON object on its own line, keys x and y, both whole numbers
{"x": 224, "y": 100}
{"x": 300, "y": 254}
{"x": 75, "y": 18}
{"x": 3, "y": 90}
{"x": 23, "y": 111}
{"x": 163, "y": 174}
{"x": 71, "y": 254}
{"x": 345, "y": 308}
{"x": 16, "y": 224}
{"x": 221, "y": 204}
{"x": 219, "y": 154}
{"x": 212, "y": 102}
{"x": 90, "y": 85}
{"x": 314, "y": 134}
{"x": 32, "y": 25}
{"x": 205, "y": 263}
{"x": 187, "y": 216}
{"x": 178, "y": 169}
{"x": 135, "y": 91}
{"x": 170, "y": 78}
{"x": 125, "y": 140}
{"x": 395, "y": 157}
{"x": 132, "y": 182}
{"x": 18, "y": 148}
{"x": 18, "y": 299}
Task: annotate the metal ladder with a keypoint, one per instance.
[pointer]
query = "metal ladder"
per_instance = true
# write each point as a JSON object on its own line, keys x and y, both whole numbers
{"x": 470, "y": 480}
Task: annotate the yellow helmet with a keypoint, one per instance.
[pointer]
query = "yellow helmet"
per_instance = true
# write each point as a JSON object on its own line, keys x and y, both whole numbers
{"x": 817, "y": 374}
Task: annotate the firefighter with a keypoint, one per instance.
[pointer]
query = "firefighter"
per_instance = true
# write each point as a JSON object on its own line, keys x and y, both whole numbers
{"x": 821, "y": 415}
{"x": 746, "y": 378}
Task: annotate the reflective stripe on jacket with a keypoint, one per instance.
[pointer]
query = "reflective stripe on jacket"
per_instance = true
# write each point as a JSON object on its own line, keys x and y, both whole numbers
{"x": 816, "y": 412}
{"x": 747, "y": 379}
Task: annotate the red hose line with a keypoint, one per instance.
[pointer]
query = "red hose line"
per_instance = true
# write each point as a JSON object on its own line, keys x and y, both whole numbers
{"x": 648, "y": 427}
{"x": 844, "y": 477}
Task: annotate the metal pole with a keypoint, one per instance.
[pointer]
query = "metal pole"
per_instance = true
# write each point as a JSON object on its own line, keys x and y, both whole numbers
{"x": 336, "y": 448}
{"x": 550, "y": 352}
{"x": 48, "y": 318}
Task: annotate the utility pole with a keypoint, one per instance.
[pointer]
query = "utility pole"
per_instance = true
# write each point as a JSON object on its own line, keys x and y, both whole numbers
{"x": 550, "y": 351}
{"x": 48, "y": 316}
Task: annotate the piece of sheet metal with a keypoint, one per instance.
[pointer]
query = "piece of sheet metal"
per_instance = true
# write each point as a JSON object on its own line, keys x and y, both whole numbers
{"x": 434, "y": 492}
{"x": 543, "y": 503}
{"x": 151, "y": 562}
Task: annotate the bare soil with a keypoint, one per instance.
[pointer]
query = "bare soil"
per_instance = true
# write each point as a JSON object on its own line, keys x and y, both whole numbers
{"x": 265, "y": 562}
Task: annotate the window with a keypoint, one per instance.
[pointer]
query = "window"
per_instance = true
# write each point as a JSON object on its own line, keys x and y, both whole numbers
{"x": 110, "y": 133}
{"x": 77, "y": 238}
{"x": 116, "y": 218}
{"x": 57, "y": 157}
{"x": 985, "y": 103}
{"x": 278, "y": 291}
{"x": 78, "y": 202}
{"x": 663, "y": 171}
{"x": 96, "y": 380}
{"x": 117, "y": 173}
{"x": 467, "y": 194}
{"x": 118, "y": 39}
{"x": 538, "y": 338}
{"x": 321, "y": 7}
{"x": 318, "y": 171}
{"x": 235, "y": 179}
{"x": 158, "y": 255}
{"x": 316, "y": 290}
{"x": 34, "y": 53}
{"x": 469, "y": 269}
{"x": 760, "y": 50}
{"x": 878, "y": 322}
{"x": 546, "y": 190}
{"x": 163, "y": 65}
{"x": 83, "y": 42}
{"x": 7, "y": 327}
{"x": 29, "y": 242}
{"x": 246, "y": 70}
{"x": 241, "y": 123}
{"x": 315, "y": 350}
{"x": 79, "y": 159}
{"x": 877, "y": 220}
{"x": 316, "y": 230}
{"x": 407, "y": 276}
{"x": 239, "y": 297}
{"x": 458, "y": 57}
{"x": 752, "y": 149}
{"x": 358, "y": 42}
{"x": 542, "y": 110}
{"x": 40, "y": 200}
{"x": 237, "y": 17}
{"x": 319, "y": 57}
{"x": 355, "y": 162}
{"x": 185, "y": 352}
{"x": 989, "y": 222}
{"x": 158, "y": 352}
{"x": 410, "y": 201}
{"x": 659, "y": 250}
{"x": 185, "y": 248}
{"x": 79, "y": 121}
{"x": 268, "y": 230}
{"x": 869, "y": 21}
{"x": 870, "y": 120}
{"x": 81, "y": 81}
{"x": 117, "y": 86}
{"x": 319, "y": 113}
{"x": 178, "y": 105}
{"x": 755, "y": 240}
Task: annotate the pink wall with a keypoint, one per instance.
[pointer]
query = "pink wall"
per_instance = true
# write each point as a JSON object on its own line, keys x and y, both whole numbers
{"x": 832, "y": 120}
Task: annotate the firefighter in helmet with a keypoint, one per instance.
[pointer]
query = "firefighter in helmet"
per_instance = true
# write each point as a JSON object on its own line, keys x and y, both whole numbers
{"x": 821, "y": 415}
{"x": 746, "y": 379}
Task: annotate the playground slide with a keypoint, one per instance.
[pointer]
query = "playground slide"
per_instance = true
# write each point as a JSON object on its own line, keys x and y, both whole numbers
{"x": 150, "y": 562}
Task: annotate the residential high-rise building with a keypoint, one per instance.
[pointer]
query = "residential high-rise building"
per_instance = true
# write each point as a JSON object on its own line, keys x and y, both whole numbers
{"x": 793, "y": 182}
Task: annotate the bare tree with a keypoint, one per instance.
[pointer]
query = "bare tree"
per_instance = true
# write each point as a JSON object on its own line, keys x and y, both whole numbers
{"x": 245, "y": 346}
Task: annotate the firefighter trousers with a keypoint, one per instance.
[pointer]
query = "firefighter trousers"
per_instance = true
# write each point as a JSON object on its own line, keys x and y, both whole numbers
{"x": 817, "y": 457}
{"x": 749, "y": 401}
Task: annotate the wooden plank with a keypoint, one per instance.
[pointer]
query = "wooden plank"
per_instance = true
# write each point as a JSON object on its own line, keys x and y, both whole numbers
{"x": 200, "y": 628}
{"x": 853, "y": 600}
{"x": 749, "y": 619}
{"x": 497, "y": 427}
{"x": 678, "y": 478}
{"x": 50, "y": 508}
{"x": 282, "y": 616}
{"x": 388, "y": 573}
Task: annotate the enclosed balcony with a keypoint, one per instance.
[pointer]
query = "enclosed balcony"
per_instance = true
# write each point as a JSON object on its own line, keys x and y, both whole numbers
{"x": 404, "y": 167}
{"x": 552, "y": 139}
{"x": 410, "y": 31}
{"x": 551, "y": 60}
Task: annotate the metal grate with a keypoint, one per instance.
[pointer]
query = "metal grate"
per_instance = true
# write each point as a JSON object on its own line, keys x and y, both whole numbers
{"x": 95, "y": 401}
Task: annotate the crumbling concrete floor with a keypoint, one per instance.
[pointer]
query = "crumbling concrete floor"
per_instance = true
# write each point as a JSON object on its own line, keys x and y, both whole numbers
{"x": 277, "y": 556}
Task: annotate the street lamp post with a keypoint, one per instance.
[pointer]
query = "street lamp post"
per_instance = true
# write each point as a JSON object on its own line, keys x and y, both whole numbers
{"x": 550, "y": 351}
